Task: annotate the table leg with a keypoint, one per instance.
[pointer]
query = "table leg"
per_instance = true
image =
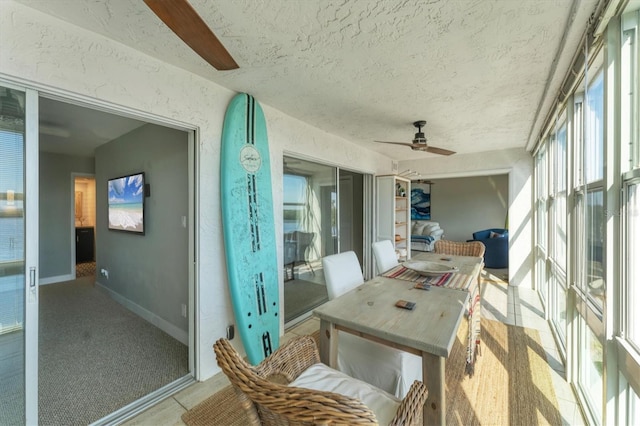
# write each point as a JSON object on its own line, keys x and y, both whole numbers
{"x": 328, "y": 344}
{"x": 435, "y": 408}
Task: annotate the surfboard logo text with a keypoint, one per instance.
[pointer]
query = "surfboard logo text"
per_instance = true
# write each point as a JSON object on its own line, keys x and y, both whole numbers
{"x": 250, "y": 159}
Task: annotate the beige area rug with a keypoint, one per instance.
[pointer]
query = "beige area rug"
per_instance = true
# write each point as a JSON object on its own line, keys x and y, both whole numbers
{"x": 511, "y": 386}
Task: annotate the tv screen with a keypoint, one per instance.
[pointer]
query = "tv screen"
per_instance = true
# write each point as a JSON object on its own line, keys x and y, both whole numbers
{"x": 126, "y": 203}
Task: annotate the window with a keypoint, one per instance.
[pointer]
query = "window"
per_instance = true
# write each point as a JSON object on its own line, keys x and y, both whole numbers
{"x": 541, "y": 220}
{"x": 629, "y": 405}
{"x": 589, "y": 243}
{"x": 632, "y": 235}
{"x": 602, "y": 212}
{"x": 590, "y": 365}
{"x": 594, "y": 131}
{"x": 560, "y": 199}
{"x": 629, "y": 107}
{"x": 542, "y": 190}
{"x": 590, "y": 214}
{"x": 630, "y": 167}
{"x": 594, "y": 233}
{"x": 558, "y": 229}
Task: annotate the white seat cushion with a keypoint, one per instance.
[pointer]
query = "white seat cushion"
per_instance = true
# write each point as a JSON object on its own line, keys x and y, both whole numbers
{"x": 320, "y": 377}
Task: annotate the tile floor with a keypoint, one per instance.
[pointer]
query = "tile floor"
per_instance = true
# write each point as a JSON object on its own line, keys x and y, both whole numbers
{"x": 511, "y": 305}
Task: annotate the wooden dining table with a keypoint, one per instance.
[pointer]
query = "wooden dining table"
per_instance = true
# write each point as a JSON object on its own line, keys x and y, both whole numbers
{"x": 428, "y": 330}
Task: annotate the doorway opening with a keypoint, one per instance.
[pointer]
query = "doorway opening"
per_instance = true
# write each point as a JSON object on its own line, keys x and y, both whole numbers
{"x": 114, "y": 313}
{"x": 84, "y": 218}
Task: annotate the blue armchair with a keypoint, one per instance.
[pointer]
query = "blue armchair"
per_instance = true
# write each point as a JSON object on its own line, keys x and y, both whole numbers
{"x": 496, "y": 242}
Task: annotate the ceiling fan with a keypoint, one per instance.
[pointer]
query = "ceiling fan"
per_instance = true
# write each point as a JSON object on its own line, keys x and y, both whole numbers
{"x": 419, "y": 142}
{"x": 183, "y": 20}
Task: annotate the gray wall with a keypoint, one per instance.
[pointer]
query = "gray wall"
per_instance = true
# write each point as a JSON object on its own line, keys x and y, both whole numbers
{"x": 55, "y": 201}
{"x": 463, "y": 206}
{"x": 151, "y": 270}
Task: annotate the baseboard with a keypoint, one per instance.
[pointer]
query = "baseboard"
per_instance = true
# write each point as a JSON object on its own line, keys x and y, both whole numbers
{"x": 57, "y": 279}
{"x": 164, "y": 325}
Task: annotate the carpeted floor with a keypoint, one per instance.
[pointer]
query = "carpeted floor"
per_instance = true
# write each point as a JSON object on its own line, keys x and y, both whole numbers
{"x": 12, "y": 378}
{"x": 511, "y": 386}
{"x": 95, "y": 356}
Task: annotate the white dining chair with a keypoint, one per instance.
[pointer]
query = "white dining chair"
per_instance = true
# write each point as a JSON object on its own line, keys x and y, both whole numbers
{"x": 342, "y": 273}
{"x": 382, "y": 366}
{"x": 385, "y": 254}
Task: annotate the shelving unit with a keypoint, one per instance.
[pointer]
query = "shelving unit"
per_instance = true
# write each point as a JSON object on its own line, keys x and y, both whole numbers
{"x": 393, "y": 212}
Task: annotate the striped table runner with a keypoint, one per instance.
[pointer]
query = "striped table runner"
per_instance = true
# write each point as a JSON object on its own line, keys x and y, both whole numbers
{"x": 450, "y": 279}
{"x": 455, "y": 280}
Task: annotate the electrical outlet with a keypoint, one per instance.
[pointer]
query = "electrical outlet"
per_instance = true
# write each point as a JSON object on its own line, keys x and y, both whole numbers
{"x": 231, "y": 332}
{"x": 184, "y": 310}
{"x": 104, "y": 272}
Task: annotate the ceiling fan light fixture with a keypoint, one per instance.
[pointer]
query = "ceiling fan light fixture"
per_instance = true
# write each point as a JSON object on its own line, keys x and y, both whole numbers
{"x": 419, "y": 142}
{"x": 419, "y": 137}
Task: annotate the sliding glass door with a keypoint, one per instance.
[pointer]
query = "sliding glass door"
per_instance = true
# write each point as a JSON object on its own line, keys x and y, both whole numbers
{"x": 18, "y": 256}
{"x": 310, "y": 231}
{"x": 323, "y": 214}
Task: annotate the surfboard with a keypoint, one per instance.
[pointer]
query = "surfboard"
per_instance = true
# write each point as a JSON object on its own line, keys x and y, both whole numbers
{"x": 248, "y": 227}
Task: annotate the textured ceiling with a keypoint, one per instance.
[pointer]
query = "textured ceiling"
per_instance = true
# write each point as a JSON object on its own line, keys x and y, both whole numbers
{"x": 476, "y": 70}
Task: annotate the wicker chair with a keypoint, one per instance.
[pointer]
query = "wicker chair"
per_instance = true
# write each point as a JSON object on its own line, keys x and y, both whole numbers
{"x": 455, "y": 248}
{"x": 267, "y": 399}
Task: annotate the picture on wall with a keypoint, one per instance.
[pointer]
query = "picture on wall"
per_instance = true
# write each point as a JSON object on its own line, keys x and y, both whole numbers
{"x": 126, "y": 203}
{"x": 420, "y": 201}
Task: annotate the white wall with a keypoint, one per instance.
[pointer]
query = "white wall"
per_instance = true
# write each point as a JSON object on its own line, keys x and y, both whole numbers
{"x": 55, "y": 56}
{"x": 465, "y": 205}
{"x": 55, "y": 208}
{"x": 149, "y": 273}
{"x": 518, "y": 163}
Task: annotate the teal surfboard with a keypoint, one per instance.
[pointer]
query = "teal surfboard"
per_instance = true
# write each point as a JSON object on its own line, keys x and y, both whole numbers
{"x": 248, "y": 226}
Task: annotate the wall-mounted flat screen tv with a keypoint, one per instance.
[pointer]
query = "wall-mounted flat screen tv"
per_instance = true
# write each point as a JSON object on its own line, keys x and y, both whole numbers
{"x": 126, "y": 203}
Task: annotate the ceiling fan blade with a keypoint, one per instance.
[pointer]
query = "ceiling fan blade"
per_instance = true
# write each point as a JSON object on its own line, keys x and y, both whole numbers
{"x": 441, "y": 151}
{"x": 183, "y": 20}
{"x": 396, "y": 143}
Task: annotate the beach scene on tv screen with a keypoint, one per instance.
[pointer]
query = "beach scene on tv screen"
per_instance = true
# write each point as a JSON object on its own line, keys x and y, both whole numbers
{"x": 126, "y": 203}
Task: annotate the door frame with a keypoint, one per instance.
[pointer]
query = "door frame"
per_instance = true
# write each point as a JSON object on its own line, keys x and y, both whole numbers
{"x": 33, "y": 91}
{"x": 32, "y": 230}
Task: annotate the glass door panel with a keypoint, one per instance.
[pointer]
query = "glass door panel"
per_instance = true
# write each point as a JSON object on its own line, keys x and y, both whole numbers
{"x": 18, "y": 256}
{"x": 351, "y": 190}
{"x": 310, "y": 232}
{"x": 12, "y": 257}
